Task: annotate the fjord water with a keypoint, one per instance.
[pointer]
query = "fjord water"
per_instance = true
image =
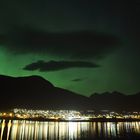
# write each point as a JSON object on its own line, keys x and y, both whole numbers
{"x": 35, "y": 130}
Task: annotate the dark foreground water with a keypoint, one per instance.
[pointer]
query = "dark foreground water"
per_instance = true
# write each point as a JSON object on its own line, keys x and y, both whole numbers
{"x": 34, "y": 130}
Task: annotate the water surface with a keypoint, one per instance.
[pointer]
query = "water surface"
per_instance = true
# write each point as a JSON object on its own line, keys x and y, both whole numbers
{"x": 35, "y": 130}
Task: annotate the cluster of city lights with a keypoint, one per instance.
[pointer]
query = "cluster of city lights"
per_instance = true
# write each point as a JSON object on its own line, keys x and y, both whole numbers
{"x": 67, "y": 114}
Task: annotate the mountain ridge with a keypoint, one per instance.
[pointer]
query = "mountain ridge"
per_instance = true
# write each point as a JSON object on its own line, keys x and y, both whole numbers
{"x": 35, "y": 92}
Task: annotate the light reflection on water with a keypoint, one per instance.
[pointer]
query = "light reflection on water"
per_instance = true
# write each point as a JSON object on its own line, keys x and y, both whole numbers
{"x": 35, "y": 130}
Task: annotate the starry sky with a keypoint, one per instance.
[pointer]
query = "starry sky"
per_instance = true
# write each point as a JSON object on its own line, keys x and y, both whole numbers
{"x": 85, "y": 46}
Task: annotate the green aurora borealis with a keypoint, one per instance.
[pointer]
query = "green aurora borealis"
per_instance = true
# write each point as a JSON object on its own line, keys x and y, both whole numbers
{"x": 119, "y": 68}
{"x": 109, "y": 77}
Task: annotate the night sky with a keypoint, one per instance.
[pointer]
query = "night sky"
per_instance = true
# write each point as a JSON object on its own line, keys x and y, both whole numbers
{"x": 85, "y": 46}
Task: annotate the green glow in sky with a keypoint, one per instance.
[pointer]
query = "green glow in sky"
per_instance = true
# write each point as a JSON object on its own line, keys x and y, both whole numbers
{"x": 109, "y": 77}
{"x": 101, "y": 32}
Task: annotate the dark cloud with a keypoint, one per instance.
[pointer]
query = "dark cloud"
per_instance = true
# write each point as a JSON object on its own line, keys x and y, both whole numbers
{"x": 58, "y": 65}
{"x": 51, "y": 22}
{"x": 77, "y": 80}
{"x": 74, "y": 44}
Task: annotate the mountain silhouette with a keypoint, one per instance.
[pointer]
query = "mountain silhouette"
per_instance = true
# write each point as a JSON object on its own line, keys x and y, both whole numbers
{"x": 35, "y": 92}
{"x": 116, "y": 101}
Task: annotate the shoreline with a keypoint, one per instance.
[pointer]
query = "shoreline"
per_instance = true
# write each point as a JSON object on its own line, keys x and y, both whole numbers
{"x": 74, "y": 120}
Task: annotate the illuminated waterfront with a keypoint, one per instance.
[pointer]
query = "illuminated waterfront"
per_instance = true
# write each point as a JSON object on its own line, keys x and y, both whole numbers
{"x": 35, "y": 130}
{"x": 70, "y": 115}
